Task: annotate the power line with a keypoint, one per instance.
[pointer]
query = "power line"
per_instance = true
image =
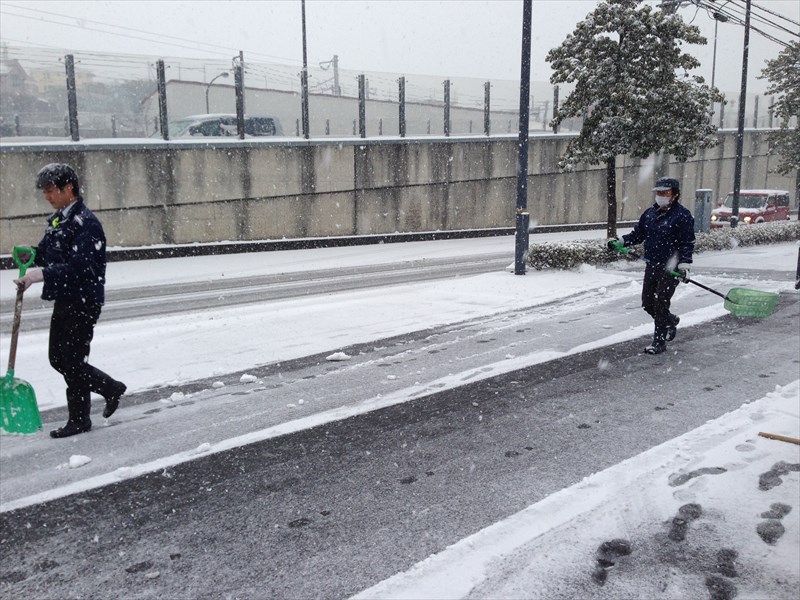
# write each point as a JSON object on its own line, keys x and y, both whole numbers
{"x": 198, "y": 46}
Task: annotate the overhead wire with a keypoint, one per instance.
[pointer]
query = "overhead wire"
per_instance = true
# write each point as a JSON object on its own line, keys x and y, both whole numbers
{"x": 159, "y": 37}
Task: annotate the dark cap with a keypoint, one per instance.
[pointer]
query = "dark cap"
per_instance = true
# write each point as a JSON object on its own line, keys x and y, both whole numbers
{"x": 59, "y": 175}
{"x": 667, "y": 183}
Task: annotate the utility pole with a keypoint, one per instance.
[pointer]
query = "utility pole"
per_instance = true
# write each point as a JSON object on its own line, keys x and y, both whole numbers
{"x": 737, "y": 172}
{"x": 522, "y": 215}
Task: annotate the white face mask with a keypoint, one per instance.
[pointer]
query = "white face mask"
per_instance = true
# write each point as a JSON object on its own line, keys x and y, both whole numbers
{"x": 662, "y": 200}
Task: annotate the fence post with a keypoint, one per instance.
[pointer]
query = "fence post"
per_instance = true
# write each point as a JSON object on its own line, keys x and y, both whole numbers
{"x": 487, "y": 121}
{"x": 755, "y": 113}
{"x": 162, "y": 99}
{"x": 362, "y": 107}
{"x": 402, "y": 101}
{"x": 72, "y": 97}
{"x": 771, "y": 111}
{"x": 446, "y": 84}
{"x": 327, "y": 126}
{"x": 544, "y": 114}
{"x": 238, "y": 78}
{"x": 555, "y": 108}
{"x": 16, "y": 125}
{"x": 113, "y": 125}
{"x": 722, "y": 114}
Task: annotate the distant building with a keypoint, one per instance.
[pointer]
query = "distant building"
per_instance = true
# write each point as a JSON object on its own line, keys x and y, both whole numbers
{"x": 13, "y": 78}
{"x": 46, "y": 79}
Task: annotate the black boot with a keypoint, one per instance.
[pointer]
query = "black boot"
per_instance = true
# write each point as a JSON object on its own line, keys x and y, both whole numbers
{"x": 659, "y": 344}
{"x": 672, "y": 328}
{"x": 112, "y": 399}
{"x": 79, "y": 405}
{"x": 71, "y": 428}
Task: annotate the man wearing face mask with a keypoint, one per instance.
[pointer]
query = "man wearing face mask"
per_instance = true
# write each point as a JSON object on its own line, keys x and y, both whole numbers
{"x": 667, "y": 230}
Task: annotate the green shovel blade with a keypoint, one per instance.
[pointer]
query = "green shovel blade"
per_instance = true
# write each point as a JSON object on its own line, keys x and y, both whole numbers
{"x": 743, "y": 302}
{"x": 19, "y": 412}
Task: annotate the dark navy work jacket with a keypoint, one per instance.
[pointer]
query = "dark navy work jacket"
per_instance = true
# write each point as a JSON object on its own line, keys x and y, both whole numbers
{"x": 667, "y": 235}
{"x": 73, "y": 255}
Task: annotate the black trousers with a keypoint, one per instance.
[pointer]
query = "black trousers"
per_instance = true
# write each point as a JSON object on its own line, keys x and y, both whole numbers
{"x": 71, "y": 332}
{"x": 657, "y": 291}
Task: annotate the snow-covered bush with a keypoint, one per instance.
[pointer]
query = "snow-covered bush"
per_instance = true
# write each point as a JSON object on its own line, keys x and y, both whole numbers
{"x": 567, "y": 255}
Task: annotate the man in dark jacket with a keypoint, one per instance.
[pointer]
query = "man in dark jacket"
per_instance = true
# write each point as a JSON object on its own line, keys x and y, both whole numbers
{"x": 72, "y": 257}
{"x": 667, "y": 230}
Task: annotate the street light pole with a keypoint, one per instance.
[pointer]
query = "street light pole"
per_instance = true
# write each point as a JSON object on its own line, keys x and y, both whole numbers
{"x": 208, "y": 87}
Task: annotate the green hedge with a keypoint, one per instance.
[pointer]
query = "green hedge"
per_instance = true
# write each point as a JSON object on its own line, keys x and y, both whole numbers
{"x": 567, "y": 255}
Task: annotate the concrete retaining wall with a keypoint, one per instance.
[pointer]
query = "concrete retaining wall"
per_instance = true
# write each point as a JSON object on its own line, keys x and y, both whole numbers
{"x": 155, "y": 192}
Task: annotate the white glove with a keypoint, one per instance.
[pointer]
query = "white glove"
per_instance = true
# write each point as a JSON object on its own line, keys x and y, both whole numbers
{"x": 683, "y": 269}
{"x": 31, "y": 277}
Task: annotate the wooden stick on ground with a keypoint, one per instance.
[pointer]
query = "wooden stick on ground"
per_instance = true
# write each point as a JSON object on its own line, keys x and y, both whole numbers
{"x": 782, "y": 438}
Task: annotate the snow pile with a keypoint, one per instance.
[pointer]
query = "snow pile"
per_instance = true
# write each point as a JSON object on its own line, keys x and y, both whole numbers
{"x": 713, "y": 513}
{"x": 337, "y": 356}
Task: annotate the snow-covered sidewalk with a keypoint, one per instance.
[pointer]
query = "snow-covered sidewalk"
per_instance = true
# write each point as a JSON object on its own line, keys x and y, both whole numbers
{"x": 713, "y": 513}
{"x": 173, "y": 349}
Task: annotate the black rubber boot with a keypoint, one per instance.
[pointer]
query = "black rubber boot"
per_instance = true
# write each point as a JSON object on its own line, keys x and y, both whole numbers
{"x": 112, "y": 399}
{"x": 672, "y": 328}
{"x": 659, "y": 344}
{"x": 71, "y": 428}
{"x": 78, "y": 406}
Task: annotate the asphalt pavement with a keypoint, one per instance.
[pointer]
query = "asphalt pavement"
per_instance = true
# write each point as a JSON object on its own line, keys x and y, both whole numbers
{"x": 330, "y": 510}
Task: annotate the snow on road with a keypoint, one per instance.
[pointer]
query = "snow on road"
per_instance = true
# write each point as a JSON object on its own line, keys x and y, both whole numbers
{"x": 714, "y": 509}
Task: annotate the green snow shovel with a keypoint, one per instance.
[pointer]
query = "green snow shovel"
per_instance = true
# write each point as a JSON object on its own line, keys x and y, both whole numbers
{"x": 741, "y": 302}
{"x": 19, "y": 412}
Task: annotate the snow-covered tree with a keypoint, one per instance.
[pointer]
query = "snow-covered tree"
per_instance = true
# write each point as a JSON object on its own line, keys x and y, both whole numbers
{"x": 783, "y": 74}
{"x": 633, "y": 84}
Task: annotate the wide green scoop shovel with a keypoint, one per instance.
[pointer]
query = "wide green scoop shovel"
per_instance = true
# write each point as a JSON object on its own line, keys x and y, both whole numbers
{"x": 19, "y": 412}
{"x": 741, "y": 302}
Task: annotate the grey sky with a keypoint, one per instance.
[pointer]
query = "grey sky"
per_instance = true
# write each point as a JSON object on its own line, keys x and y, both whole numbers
{"x": 475, "y": 38}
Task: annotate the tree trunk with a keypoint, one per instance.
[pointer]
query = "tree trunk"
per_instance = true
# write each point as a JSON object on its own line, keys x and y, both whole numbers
{"x": 611, "y": 196}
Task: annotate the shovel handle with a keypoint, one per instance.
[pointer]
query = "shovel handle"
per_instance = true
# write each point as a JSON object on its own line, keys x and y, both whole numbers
{"x": 12, "y": 349}
{"x": 620, "y": 248}
{"x": 23, "y": 265}
{"x": 705, "y": 287}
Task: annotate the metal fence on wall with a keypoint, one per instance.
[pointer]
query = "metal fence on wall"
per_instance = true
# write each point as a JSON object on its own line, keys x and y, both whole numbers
{"x": 115, "y": 96}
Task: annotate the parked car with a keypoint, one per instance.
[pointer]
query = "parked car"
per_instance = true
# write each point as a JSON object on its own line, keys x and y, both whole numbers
{"x": 755, "y": 206}
{"x": 222, "y": 125}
